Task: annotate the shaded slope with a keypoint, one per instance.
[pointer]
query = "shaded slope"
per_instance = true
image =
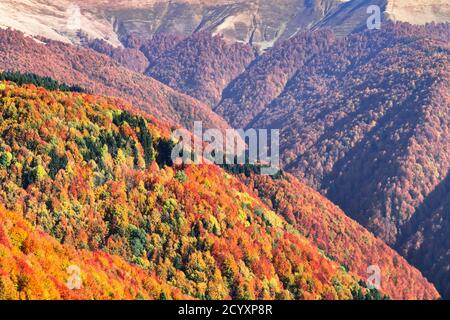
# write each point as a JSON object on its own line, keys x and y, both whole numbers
{"x": 202, "y": 66}
{"x": 379, "y": 117}
{"x": 428, "y": 227}
{"x": 341, "y": 238}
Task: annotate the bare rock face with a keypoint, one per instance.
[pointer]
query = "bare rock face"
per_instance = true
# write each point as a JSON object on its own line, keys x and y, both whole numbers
{"x": 257, "y": 22}
{"x": 419, "y": 11}
{"x": 61, "y": 20}
{"x": 260, "y": 23}
{"x": 352, "y": 15}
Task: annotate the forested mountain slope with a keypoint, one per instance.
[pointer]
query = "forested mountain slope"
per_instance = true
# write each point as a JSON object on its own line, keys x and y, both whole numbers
{"x": 202, "y": 66}
{"x": 99, "y": 178}
{"x": 250, "y": 94}
{"x": 365, "y": 120}
{"x": 425, "y": 241}
{"x": 35, "y": 266}
{"x": 332, "y": 231}
{"x": 102, "y": 75}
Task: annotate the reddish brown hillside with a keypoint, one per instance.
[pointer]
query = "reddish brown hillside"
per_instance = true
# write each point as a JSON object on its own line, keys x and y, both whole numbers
{"x": 341, "y": 238}
{"x": 268, "y": 75}
{"x": 157, "y": 46}
{"x": 131, "y": 58}
{"x": 202, "y": 66}
{"x": 430, "y": 226}
{"x": 102, "y": 75}
{"x": 366, "y": 122}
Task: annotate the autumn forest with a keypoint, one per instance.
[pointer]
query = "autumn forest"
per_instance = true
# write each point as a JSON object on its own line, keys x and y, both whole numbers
{"x": 94, "y": 207}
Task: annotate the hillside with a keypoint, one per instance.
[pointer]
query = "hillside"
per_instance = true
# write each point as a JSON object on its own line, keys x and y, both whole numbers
{"x": 202, "y": 66}
{"x": 333, "y": 232}
{"x": 102, "y": 75}
{"x": 96, "y": 178}
{"x": 429, "y": 227}
{"x": 364, "y": 117}
{"x": 131, "y": 58}
{"x": 249, "y": 94}
{"x": 34, "y": 266}
{"x": 365, "y": 120}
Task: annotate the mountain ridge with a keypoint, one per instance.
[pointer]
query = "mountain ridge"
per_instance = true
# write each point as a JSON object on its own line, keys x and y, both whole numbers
{"x": 256, "y": 22}
{"x": 80, "y": 66}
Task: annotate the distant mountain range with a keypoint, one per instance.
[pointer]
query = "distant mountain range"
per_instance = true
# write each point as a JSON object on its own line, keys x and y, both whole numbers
{"x": 260, "y": 23}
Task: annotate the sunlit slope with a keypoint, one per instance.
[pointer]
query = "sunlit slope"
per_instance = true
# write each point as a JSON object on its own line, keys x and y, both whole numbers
{"x": 98, "y": 178}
